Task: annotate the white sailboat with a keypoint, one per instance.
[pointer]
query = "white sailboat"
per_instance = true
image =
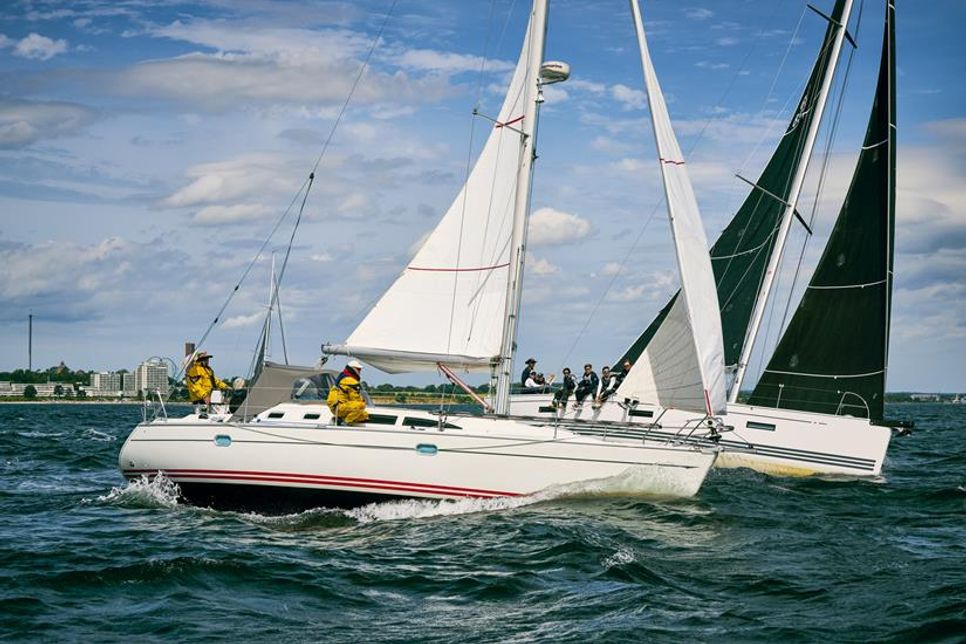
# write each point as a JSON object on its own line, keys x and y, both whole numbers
{"x": 818, "y": 408}
{"x": 455, "y": 306}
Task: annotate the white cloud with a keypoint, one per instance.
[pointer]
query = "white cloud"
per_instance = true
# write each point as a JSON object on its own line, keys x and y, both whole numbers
{"x": 727, "y": 41}
{"x": 706, "y": 64}
{"x": 250, "y": 175}
{"x": 629, "y": 98}
{"x": 447, "y": 62}
{"x": 555, "y": 94}
{"x": 23, "y": 122}
{"x": 698, "y": 13}
{"x": 290, "y": 45}
{"x": 549, "y": 227}
{"x": 242, "y": 321}
{"x": 238, "y": 213}
{"x": 39, "y": 47}
{"x": 658, "y": 287}
{"x": 633, "y": 165}
{"x": 541, "y": 266}
{"x": 353, "y": 204}
{"x": 609, "y": 145}
{"x": 611, "y": 268}
{"x": 285, "y": 65}
{"x": 222, "y": 81}
{"x": 587, "y": 86}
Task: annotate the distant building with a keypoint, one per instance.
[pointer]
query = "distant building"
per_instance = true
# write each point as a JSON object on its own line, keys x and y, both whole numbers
{"x": 151, "y": 376}
{"x": 105, "y": 383}
{"x": 128, "y": 384}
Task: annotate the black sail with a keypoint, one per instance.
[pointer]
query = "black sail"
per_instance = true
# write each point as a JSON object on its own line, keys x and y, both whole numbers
{"x": 833, "y": 356}
{"x": 740, "y": 255}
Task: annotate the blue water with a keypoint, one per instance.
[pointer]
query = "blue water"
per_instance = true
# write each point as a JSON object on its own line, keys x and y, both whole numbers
{"x": 85, "y": 556}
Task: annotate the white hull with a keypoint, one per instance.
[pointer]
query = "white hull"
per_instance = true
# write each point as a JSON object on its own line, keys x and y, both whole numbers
{"x": 289, "y": 461}
{"x": 773, "y": 441}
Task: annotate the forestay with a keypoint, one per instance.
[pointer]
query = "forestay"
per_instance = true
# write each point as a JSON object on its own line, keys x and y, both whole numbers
{"x": 449, "y": 303}
{"x": 683, "y": 366}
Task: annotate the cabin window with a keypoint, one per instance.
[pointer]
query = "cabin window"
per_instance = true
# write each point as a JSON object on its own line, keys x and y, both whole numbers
{"x": 314, "y": 387}
{"x": 768, "y": 427}
{"x": 410, "y": 421}
{"x": 276, "y": 414}
{"x": 641, "y": 413}
{"x": 311, "y": 416}
{"x": 382, "y": 419}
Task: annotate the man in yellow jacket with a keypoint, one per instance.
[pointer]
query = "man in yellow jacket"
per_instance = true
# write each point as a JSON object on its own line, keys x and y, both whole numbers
{"x": 344, "y": 398}
{"x": 201, "y": 380}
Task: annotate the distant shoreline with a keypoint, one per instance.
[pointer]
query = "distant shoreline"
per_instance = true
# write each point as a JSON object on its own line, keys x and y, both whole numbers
{"x": 84, "y": 402}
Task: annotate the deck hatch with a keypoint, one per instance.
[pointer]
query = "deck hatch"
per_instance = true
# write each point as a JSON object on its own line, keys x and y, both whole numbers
{"x": 768, "y": 427}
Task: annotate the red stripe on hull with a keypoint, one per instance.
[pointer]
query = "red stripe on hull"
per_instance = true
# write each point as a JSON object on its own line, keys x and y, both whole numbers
{"x": 286, "y": 477}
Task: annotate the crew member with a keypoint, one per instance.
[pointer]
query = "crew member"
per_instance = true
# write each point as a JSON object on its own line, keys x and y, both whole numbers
{"x": 587, "y": 385}
{"x": 201, "y": 380}
{"x": 528, "y": 371}
{"x": 345, "y": 400}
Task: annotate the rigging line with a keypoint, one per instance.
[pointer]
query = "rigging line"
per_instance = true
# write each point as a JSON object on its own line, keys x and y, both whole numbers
{"x": 288, "y": 251}
{"x": 610, "y": 284}
{"x": 281, "y": 325}
{"x": 276, "y": 302}
{"x": 305, "y": 184}
{"x": 355, "y": 84}
{"x": 823, "y": 175}
{"x": 245, "y": 273}
{"x": 734, "y": 77}
{"x": 774, "y": 82}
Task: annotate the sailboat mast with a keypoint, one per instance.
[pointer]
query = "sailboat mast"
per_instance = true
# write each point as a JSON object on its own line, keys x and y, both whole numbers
{"x": 271, "y": 306}
{"x": 798, "y": 180}
{"x": 521, "y": 208}
{"x": 890, "y": 55}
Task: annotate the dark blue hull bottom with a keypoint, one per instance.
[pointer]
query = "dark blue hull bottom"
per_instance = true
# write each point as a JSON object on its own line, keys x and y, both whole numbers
{"x": 268, "y": 499}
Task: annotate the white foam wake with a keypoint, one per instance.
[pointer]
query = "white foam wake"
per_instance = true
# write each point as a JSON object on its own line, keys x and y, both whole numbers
{"x": 633, "y": 482}
{"x": 158, "y": 491}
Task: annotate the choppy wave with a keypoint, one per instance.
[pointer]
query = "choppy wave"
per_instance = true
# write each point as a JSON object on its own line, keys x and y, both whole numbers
{"x": 751, "y": 558}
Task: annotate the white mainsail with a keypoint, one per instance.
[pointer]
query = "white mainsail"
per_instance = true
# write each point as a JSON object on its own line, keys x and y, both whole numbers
{"x": 449, "y": 304}
{"x": 683, "y": 366}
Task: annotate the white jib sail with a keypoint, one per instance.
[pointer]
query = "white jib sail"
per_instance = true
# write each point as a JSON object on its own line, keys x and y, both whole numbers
{"x": 683, "y": 366}
{"x": 448, "y": 304}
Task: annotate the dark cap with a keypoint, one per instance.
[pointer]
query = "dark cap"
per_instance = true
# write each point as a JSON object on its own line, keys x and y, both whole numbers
{"x": 531, "y": 361}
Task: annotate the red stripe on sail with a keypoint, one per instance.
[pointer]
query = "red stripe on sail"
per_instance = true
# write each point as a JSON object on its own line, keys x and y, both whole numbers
{"x": 516, "y": 120}
{"x": 457, "y": 270}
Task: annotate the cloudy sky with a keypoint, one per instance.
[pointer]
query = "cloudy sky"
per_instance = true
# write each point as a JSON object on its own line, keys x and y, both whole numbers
{"x": 148, "y": 148}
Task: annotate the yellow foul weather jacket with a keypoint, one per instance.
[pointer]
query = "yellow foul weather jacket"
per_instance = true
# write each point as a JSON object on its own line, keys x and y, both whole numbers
{"x": 346, "y": 402}
{"x": 201, "y": 380}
